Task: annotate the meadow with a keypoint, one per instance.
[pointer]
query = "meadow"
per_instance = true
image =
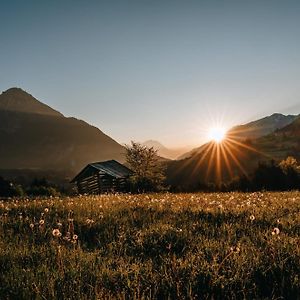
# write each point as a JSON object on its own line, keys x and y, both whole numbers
{"x": 154, "y": 246}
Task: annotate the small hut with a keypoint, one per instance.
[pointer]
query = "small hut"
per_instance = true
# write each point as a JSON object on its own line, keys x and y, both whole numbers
{"x": 102, "y": 177}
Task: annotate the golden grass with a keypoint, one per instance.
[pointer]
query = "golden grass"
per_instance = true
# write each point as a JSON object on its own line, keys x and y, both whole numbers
{"x": 154, "y": 246}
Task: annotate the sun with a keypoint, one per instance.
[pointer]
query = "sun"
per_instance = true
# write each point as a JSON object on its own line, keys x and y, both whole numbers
{"x": 217, "y": 134}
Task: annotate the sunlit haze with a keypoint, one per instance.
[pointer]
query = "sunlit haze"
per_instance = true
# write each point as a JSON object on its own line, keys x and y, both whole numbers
{"x": 160, "y": 70}
{"x": 217, "y": 134}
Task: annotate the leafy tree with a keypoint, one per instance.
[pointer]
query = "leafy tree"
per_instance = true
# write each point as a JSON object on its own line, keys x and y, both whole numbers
{"x": 269, "y": 176}
{"x": 41, "y": 187}
{"x": 290, "y": 163}
{"x": 5, "y": 188}
{"x": 291, "y": 170}
{"x": 9, "y": 189}
{"x": 148, "y": 171}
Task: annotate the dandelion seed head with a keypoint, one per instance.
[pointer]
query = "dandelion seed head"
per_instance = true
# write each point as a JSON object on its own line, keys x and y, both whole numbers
{"x": 89, "y": 221}
{"x": 275, "y": 231}
{"x": 235, "y": 249}
{"x": 56, "y": 233}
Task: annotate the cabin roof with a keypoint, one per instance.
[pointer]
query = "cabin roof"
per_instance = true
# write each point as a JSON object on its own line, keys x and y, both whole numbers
{"x": 110, "y": 167}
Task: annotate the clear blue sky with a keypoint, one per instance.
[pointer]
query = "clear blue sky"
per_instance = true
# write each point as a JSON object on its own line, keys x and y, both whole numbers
{"x": 156, "y": 69}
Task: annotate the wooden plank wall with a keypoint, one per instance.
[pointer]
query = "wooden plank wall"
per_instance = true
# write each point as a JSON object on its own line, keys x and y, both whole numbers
{"x": 101, "y": 183}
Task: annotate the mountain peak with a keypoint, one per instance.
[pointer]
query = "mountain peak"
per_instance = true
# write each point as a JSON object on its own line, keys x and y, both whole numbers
{"x": 155, "y": 144}
{"x": 17, "y": 100}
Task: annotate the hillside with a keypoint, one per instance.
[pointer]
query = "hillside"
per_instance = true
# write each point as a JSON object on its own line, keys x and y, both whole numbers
{"x": 253, "y": 130}
{"x": 261, "y": 127}
{"x": 37, "y": 137}
{"x": 281, "y": 143}
{"x": 221, "y": 163}
{"x": 17, "y": 100}
{"x": 170, "y": 153}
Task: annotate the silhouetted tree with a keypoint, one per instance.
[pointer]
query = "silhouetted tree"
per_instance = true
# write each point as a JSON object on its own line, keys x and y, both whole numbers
{"x": 9, "y": 189}
{"x": 291, "y": 170}
{"x": 269, "y": 176}
{"x": 41, "y": 187}
{"x": 148, "y": 171}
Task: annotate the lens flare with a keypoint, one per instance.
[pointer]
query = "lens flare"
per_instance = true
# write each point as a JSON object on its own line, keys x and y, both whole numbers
{"x": 217, "y": 134}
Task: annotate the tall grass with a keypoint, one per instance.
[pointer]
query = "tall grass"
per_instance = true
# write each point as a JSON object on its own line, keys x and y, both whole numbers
{"x": 156, "y": 246}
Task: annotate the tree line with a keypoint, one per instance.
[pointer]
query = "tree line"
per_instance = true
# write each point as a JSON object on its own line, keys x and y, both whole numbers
{"x": 271, "y": 176}
{"x": 149, "y": 176}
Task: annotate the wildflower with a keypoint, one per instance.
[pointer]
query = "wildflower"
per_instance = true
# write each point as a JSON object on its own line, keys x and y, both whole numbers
{"x": 235, "y": 249}
{"x": 169, "y": 246}
{"x": 67, "y": 237}
{"x": 252, "y": 217}
{"x": 56, "y": 233}
{"x": 41, "y": 222}
{"x": 89, "y": 221}
{"x": 275, "y": 231}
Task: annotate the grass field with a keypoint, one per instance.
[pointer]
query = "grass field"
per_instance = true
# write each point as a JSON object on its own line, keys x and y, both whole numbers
{"x": 156, "y": 246}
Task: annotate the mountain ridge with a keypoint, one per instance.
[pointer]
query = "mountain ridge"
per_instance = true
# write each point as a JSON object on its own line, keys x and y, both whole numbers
{"x": 17, "y": 100}
{"x": 253, "y": 130}
{"x": 163, "y": 151}
{"x": 39, "y": 137}
{"x": 219, "y": 163}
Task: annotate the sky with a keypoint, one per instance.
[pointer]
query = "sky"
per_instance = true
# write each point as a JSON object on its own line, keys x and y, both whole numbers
{"x": 155, "y": 69}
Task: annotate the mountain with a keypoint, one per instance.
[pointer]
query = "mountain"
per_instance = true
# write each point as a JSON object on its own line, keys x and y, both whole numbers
{"x": 34, "y": 136}
{"x": 234, "y": 157}
{"x": 261, "y": 127}
{"x": 214, "y": 164}
{"x": 281, "y": 143}
{"x": 163, "y": 151}
{"x": 253, "y": 130}
{"x": 17, "y": 100}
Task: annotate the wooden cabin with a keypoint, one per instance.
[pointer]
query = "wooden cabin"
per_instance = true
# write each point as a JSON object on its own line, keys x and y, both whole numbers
{"x": 103, "y": 177}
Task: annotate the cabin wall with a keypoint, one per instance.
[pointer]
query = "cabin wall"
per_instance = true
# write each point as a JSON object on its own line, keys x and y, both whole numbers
{"x": 102, "y": 183}
{"x": 89, "y": 185}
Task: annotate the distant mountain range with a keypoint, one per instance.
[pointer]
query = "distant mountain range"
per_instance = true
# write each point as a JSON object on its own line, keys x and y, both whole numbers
{"x": 261, "y": 127}
{"x": 171, "y": 153}
{"x": 38, "y": 139}
{"x": 240, "y": 153}
{"x": 34, "y": 136}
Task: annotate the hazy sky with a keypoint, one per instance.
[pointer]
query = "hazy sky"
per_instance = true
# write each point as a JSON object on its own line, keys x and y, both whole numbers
{"x": 164, "y": 70}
